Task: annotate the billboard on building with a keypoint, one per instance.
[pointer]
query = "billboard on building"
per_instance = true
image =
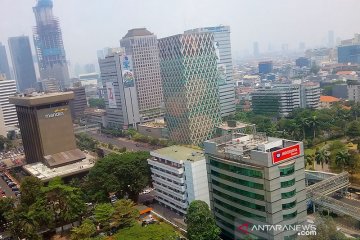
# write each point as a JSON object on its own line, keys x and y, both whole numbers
{"x": 127, "y": 71}
{"x": 285, "y": 153}
{"x": 111, "y": 94}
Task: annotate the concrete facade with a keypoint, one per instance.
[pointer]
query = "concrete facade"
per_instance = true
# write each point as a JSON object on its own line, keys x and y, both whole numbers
{"x": 8, "y": 89}
{"x": 46, "y": 128}
{"x": 121, "y": 99}
{"x": 256, "y": 180}
{"x": 179, "y": 177}
{"x": 142, "y": 45}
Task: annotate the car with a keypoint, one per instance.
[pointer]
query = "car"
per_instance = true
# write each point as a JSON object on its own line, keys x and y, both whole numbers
{"x": 11, "y": 184}
{"x": 15, "y": 189}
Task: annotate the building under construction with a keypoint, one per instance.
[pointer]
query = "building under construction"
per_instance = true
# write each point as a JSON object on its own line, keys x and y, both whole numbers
{"x": 49, "y": 44}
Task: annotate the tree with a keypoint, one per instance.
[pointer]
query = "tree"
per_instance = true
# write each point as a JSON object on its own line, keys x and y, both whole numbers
{"x": 304, "y": 124}
{"x": 30, "y": 188}
{"x": 84, "y": 231}
{"x": 97, "y": 103}
{"x": 64, "y": 201}
{"x": 313, "y": 122}
{"x": 353, "y": 164}
{"x": 200, "y": 222}
{"x": 6, "y": 205}
{"x": 159, "y": 231}
{"x": 309, "y": 160}
{"x": 342, "y": 159}
{"x": 353, "y": 129}
{"x": 125, "y": 214}
{"x": 125, "y": 174}
{"x": 103, "y": 213}
{"x": 85, "y": 142}
{"x": 321, "y": 157}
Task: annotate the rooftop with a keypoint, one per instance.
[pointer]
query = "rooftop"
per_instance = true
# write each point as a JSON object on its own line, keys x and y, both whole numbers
{"x": 45, "y": 173}
{"x": 35, "y": 99}
{"x": 234, "y": 125}
{"x": 346, "y": 73}
{"x": 136, "y": 32}
{"x": 329, "y": 99}
{"x": 180, "y": 153}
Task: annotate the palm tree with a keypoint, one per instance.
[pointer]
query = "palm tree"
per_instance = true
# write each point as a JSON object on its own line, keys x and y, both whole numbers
{"x": 321, "y": 157}
{"x": 309, "y": 160}
{"x": 342, "y": 159}
{"x": 313, "y": 122}
{"x": 304, "y": 122}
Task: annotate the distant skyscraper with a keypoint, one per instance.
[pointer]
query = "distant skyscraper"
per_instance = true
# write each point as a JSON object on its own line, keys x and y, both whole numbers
{"x": 89, "y": 68}
{"x": 22, "y": 62}
{"x": 190, "y": 81}
{"x": 225, "y": 67}
{"x": 4, "y": 64}
{"x": 7, "y": 89}
{"x": 331, "y": 39}
{"x": 256, "y": 49}
{"x": 142, "y": 45}
{"x": 265, "y": 67}
{"x": 49, "y": 44}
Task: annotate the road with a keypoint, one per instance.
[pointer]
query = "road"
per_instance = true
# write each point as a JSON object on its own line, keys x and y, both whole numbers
{"x": 120, "y": 142}
{"x": 6, "y": 188}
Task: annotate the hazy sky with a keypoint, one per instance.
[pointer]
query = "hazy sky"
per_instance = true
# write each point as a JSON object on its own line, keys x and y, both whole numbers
{"x": 89, "y": 25}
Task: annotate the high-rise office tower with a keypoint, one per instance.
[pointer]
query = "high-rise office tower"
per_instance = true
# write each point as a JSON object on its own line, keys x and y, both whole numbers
{"x": 49, "y": 44}
{"x": 256, "y": 180}
{"x": 331, "y": 39}
{"x": 142, "y": 45}
{"x": 256, "y": 49}
{"x": 189, "y": 71}
{"x": 117, "y": 76}
{"x": 38, "y": 114}
{"x": 349, "y": 50}
{"x": 4, "y": 64}
{"x": 7, "y": 89}
{"x": 22, "y": 62}
{"x": 225, "y": 67}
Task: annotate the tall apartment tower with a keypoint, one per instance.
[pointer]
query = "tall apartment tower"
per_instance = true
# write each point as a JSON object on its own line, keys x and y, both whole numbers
{"x": 142, "y": 45}
{"x": 121, "y": 99}
{"x": 225, "y": 67}
{"x": 22, "y": 62}
{"x": 256, "y": 180}
{"x": 4, "y": 64}
{"x": 189, "y": 71}
{"x": 49, "y": 44}
{"x": 8, "y": 114}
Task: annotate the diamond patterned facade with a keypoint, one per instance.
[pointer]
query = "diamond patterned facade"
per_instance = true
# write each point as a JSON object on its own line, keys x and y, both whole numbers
{"x": 190, "y": 83}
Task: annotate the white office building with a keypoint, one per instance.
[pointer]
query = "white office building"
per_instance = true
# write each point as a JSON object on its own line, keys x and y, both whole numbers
{"x": 179, "y": 177}
{"x": 7, "y": 89}
{"x": 225, "y": 67}
{"x": 122, "y": 109}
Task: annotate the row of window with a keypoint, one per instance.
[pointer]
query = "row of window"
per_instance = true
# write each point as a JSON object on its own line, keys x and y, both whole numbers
{"x": 288, "y": 183}
{"x": 290, "y": 216}
{"x": 239, "y": 211}
{"x": 238, "y": 181}
{"x": 286, "y": 171}
{"x": 288, "y": 194}
{"x": 238, "y": 170}
{"x": 239, "y": 201}
{"x": 238, "y": 191}
{"x": 289, "y": 205}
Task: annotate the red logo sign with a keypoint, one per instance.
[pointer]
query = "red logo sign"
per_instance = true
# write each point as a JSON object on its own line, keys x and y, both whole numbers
{"x": 244, "y": 228}
{"x": 285, "y": 153}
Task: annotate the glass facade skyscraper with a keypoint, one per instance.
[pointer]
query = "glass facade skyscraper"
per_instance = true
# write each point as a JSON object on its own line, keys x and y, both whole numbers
{"x": 190, "y": 82}
{"x": 22, "y": 62}
{"x": 349, "y": 54}
{"x": 4, "y": 64}
{"x": 49, "y": 44}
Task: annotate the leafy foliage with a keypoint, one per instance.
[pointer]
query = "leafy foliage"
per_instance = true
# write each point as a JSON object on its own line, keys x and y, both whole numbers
{"x": 159, "y": 231}
{"x": 125, "y": 214}
{"x": 85, "y": 142}
{"x": 97, "y": 103}
{"x": 103, "y": 213}
{"x": 85, "y": 230}
{"x": 125, "y": 174}
{"x": 200, "y": 222}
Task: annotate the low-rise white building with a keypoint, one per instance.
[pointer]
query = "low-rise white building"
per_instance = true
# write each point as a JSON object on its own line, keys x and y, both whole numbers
{"x": 179, "y": 177}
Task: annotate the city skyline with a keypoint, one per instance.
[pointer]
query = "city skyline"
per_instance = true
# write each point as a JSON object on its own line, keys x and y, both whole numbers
{"x": 292, "y": 18}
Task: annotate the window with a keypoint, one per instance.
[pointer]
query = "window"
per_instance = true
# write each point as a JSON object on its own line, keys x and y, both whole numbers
{"x": 288, "y": 183}
{"x": 290, "y": 216}
{"x": 238, "y": 191}
{"x": 239, "y": 211}
{"x": 239, "y": 201}
{"x": 238, "y": 170}
{"x": 288, "y": 194}
{"x": 289, "y": 205}
{"x": 238, "y": 181}
{"x": 288, "y": 170}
